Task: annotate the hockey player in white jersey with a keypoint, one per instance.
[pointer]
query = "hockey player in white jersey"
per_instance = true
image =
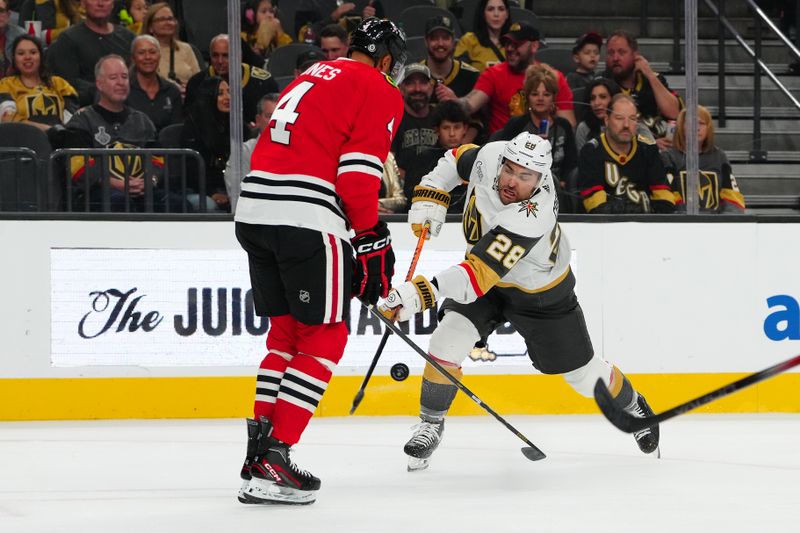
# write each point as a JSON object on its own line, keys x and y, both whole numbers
{"x": 516, "y": 270}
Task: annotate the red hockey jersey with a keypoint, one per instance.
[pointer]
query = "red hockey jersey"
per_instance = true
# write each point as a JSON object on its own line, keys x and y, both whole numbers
{"x": 319, "y": 162}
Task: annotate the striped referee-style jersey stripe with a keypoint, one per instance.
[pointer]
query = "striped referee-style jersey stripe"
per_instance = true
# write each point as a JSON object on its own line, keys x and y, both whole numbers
{"x": 360, "y": 162}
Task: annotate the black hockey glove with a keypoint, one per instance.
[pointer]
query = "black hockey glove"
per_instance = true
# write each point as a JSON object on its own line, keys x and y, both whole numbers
{"x": 374, "y": 265}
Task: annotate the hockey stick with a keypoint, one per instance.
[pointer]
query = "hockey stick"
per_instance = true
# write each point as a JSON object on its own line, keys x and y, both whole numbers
{"x": 414, "y": 259}
{"x": 531, "y": 451}
{"x": 631, "y": 424}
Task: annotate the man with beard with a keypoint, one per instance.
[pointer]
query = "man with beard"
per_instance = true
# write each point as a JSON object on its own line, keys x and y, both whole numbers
{"x": 75, "y": 53}
{"x": 454, "y": 78}
{"x": 621, "y": 171}
{"x": 416, "y": 131}
{"x": 516, "y": 269}
{"x": 500, "y": 86}
{"x": 632, "y": 72}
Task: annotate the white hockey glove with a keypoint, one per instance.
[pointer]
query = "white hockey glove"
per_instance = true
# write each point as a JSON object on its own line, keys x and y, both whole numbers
{"x": 411, "y": 297}
{"x": 428, "y": 205}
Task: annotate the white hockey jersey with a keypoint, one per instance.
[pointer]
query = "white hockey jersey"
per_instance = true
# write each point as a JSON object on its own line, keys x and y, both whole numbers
{"x": 518, "y": 246}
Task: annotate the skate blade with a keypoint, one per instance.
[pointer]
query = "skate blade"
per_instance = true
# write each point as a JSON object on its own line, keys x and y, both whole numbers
{"x": 262, "y": 491}
{"x": 415, "y": 464}
{"x": 241, "y": 495}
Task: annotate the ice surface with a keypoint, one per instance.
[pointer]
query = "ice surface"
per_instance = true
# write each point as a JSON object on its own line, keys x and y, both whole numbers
{"x": 734, "y": 473}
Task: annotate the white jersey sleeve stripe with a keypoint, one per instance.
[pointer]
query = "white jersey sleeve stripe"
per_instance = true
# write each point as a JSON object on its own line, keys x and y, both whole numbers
{"x": 359, "y": 156}
{"x": 372, "y": 171}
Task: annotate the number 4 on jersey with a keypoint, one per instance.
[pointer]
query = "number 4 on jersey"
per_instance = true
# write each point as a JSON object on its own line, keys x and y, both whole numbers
{"x": 285, "y": 112}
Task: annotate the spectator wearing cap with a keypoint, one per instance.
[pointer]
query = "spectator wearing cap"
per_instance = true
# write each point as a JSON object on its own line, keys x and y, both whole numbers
{"x": 306, "y": 59}
{"x": 416, "y": 130}
{"x": 453, "y": 78}
{"x": 501, "y": 86}
{"x": 657, "y": 104}
{"x": 483, "y": 47}
{"x": 334, "y": 41}
{"x": 585, "y": 54}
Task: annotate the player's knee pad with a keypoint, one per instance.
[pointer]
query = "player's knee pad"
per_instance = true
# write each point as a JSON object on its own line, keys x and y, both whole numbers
{"x": 324, "y": 342}
{"x": 584, "y": 378}
{"x": 453, "y": 338}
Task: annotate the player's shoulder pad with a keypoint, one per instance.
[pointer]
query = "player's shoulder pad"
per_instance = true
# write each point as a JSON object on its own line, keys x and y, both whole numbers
{"x": 594, "y": 142}
{"x": 465, "y": 156}
{"x": 260, "y": 73}
{"x": 644, "y": 139}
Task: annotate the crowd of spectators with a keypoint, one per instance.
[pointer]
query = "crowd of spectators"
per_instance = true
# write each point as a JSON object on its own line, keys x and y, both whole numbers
{"x": 618, "y": 135}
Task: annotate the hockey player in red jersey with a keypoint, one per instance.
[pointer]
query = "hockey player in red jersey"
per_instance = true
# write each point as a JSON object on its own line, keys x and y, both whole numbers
{"x": 310, "y": 202}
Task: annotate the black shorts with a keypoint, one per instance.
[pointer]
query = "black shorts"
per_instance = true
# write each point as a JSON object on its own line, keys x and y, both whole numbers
{"x": 298, "y": 271}
{"x": 551, "y": 322}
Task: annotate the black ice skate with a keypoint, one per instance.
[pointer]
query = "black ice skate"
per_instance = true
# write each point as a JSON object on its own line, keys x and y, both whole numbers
{"x": 258, "y": 442}
{"x": 424, "y": 441}
{"x": 276, "y": 479}
{"x": 647, "y": 439}
{"x": 253, "y": 432}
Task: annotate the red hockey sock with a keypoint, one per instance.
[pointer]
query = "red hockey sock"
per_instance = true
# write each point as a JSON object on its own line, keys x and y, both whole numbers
{"x": 281, "y": 349}
{"x": 306, "y": 377}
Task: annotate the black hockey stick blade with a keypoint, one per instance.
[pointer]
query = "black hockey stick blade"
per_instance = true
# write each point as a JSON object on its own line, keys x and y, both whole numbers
{"x": 631, "y": 424}
{"x": 360, "y": 394}
{"x": 531, "y": 451}
{"x": 357, "y": 400}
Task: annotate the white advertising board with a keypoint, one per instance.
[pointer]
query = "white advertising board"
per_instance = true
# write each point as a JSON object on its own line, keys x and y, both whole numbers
{"x": 658, "y": 298}
{"x": 151, "y": 308}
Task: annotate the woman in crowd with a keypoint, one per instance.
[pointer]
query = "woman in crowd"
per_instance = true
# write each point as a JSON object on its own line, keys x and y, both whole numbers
{"x": 598, "y": 96}
{"x": 540, "y": 90}
{"x": 261, "y": 29}
{"x": 207, "y": 130}
{"x": 132, "y": 16}
{"x": 42, "y": 100}
{"x": 179, "y": 61}
{"x": 482, "y": 48}
{"x": 151, "y": 94}
{"x": 717, "y": 189}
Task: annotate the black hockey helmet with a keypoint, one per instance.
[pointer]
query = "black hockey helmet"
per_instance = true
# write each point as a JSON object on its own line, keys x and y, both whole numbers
{"x": 376, "y": 38}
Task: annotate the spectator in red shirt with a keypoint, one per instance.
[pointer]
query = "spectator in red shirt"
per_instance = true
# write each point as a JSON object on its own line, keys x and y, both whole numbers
{"x": 500, "y": 86}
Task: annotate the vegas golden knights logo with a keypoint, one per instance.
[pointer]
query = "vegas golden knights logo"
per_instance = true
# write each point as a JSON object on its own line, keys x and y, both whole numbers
{"x": 708, "y": 187}
{"x": 42, "y": 105}
{"x": 123, "y": 166}
{"x": 472, "y": 226}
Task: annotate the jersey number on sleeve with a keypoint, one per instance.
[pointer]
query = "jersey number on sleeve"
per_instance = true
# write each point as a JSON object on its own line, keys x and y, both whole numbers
{"x": 502, "y": 250}
{"x": 285, "y": 112}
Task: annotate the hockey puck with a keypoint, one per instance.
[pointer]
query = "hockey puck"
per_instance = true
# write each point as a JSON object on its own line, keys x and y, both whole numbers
{"x": 399, "y": 371}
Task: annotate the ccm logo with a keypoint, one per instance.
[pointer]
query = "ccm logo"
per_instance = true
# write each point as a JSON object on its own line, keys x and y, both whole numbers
{"x": 368, "y": 247}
